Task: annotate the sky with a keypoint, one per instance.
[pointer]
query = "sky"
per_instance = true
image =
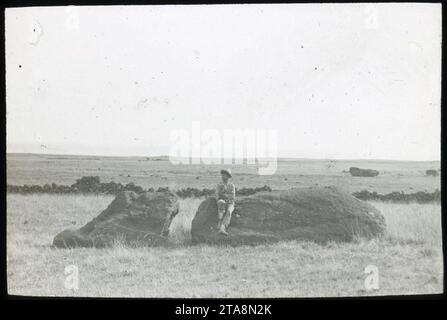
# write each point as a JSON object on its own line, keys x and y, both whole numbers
{"x": 340, "y": 81}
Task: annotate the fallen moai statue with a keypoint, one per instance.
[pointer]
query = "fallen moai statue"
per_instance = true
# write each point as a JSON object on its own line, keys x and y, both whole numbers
{"x": 431, "y": 172}
{"x": 358, "y": 172}
{"x": 132, "y": 218}
{"x": 311, "y": 214}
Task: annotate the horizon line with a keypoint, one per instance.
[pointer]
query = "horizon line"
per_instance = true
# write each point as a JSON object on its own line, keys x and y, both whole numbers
{"x": 167, "y": 156}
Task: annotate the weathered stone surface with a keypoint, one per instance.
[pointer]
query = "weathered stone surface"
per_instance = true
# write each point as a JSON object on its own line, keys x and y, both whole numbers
{"x": 358, "y": 172}
{"x": 71, "y": 238}
{"x": 313, "y": 214}
{"x": 130, "y": 218}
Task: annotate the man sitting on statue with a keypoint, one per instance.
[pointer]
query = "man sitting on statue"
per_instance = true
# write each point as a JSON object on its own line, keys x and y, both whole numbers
{"x": 225, "y": 196}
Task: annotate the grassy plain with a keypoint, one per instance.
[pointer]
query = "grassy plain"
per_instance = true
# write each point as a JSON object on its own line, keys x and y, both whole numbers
{"x": 156, "y": 172}
{"x": 408, "y": 258}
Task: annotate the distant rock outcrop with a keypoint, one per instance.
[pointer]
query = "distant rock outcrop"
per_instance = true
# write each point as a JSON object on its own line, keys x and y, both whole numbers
{"x": 431, "y": 172}
{"x": 131, "y": 218}
{"x": 358, "y": 172}
{"x": 313, "y": 214}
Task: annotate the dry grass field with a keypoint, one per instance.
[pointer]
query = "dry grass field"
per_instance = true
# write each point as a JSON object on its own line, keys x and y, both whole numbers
{"x": 409, "y": 258}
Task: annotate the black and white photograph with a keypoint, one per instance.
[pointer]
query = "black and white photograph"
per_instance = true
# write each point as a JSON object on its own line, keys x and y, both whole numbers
{"x": 224, "y": 151}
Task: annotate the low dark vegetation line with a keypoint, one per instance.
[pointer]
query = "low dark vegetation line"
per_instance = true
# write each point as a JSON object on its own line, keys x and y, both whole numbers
{"x": 395, "y": 196}
{"x": 93, "y": 185}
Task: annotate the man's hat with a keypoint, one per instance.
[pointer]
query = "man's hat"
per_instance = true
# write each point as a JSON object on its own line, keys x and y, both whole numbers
{"x": 226, "y": 171}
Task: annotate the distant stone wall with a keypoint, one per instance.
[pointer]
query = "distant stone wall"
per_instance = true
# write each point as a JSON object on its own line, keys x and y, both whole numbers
{"x": 420, "y": 197}
{"x": 93, "y": 185}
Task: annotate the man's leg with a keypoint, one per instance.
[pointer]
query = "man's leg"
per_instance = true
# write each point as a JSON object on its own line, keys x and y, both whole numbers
{"x": 221, "y": 205}
{"x": 227, "y": 217}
